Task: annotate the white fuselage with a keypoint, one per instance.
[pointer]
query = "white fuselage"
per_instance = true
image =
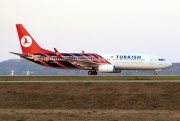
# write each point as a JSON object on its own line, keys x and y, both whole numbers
{"x": 136, "y": 61}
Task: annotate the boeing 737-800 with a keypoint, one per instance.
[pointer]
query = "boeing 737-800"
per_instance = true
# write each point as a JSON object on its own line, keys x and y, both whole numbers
{"x": 107, "y": 63}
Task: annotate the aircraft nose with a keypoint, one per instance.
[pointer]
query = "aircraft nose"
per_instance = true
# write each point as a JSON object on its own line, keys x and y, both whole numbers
{"x": 169, "y": 64}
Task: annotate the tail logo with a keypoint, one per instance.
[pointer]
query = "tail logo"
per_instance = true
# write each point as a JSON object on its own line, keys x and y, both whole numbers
{"x": 26, "y": 41}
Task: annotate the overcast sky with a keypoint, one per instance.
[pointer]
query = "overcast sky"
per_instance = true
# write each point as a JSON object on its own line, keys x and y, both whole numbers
{"x": 106, "y": 26}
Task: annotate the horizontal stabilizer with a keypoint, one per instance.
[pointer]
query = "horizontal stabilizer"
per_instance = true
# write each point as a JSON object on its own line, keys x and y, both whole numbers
{"x": 19, "y": 54}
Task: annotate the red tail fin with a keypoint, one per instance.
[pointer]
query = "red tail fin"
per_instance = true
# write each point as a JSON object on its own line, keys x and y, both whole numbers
{"x": 28, "y": 44}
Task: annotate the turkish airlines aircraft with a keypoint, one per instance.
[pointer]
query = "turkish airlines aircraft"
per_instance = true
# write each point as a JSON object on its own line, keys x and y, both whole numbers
{"x": 108, "y": 63}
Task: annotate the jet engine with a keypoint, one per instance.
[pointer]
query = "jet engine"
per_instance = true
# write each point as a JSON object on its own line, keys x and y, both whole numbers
{"x": 106, "y": 68}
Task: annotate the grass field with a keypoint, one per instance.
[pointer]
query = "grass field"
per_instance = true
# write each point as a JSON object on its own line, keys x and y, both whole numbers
{"x": 88, "y": 101}
{"x": 52, "y": 78}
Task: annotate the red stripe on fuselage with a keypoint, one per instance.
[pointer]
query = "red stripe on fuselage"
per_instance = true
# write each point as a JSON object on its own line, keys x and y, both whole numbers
{"x": 97, "y": 58}
{"x": 57, "y": 62}
{"x": 94, "y": 59}
{"x": 70, "y": 61}
{"x": 41, "y": 61}
{"x": 103, "y": 59}
{"x": 85, "y": 57}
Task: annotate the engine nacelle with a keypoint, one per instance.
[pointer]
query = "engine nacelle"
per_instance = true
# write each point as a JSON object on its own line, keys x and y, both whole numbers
{"x": 106, "y": 68}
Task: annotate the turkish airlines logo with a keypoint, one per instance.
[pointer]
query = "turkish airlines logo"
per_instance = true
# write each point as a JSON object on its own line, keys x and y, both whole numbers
{"x": 26, "y": 41}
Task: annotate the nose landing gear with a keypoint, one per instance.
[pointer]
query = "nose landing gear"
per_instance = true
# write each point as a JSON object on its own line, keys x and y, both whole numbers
{"x": 90, "y": 72}
{"x": 155, "y": 73}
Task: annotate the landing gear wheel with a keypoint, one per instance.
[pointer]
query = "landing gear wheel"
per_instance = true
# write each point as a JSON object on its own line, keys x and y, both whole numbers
{"x": 155, "y": 73}
{"x": 94, "y": 73}
{"x": 90, "y": 72}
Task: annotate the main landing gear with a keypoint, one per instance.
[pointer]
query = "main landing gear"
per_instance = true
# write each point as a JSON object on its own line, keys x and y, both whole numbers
{"x": 90, "y": 72}
{"x": 155, "y": 73}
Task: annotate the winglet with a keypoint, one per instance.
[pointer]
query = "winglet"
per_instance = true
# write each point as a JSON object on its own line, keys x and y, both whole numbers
{"x": 57, "y": 53}
{"x": 83, "y": 51}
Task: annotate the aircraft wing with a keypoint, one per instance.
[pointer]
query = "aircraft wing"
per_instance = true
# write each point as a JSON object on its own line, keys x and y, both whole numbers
{"x": 82, "y": 63}
{"x": 85, "y": 63}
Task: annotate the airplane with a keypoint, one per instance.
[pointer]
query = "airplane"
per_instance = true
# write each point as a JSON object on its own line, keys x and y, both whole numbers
{"x": 93, "y": 62}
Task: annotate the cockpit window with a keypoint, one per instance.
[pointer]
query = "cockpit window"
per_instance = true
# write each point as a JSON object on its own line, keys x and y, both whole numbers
{"x": 161, "y": 59}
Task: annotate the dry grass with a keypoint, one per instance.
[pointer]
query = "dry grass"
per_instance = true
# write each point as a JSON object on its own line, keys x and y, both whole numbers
{"x": 90, "y": 101}
{"x": 87, "y": 115}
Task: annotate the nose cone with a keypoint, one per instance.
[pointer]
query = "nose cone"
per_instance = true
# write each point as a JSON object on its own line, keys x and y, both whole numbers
{"x": 169, "y": 64}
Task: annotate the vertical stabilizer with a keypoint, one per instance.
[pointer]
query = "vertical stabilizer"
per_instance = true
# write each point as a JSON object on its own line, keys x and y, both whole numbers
{"x": 28, "y": 44}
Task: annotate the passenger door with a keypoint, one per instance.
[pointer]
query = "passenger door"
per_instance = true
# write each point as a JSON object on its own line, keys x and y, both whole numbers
{"x": 152, "y": 60}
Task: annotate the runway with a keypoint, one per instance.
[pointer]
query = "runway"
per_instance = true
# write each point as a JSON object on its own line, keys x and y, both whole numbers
{"x": 85, "y": 81}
